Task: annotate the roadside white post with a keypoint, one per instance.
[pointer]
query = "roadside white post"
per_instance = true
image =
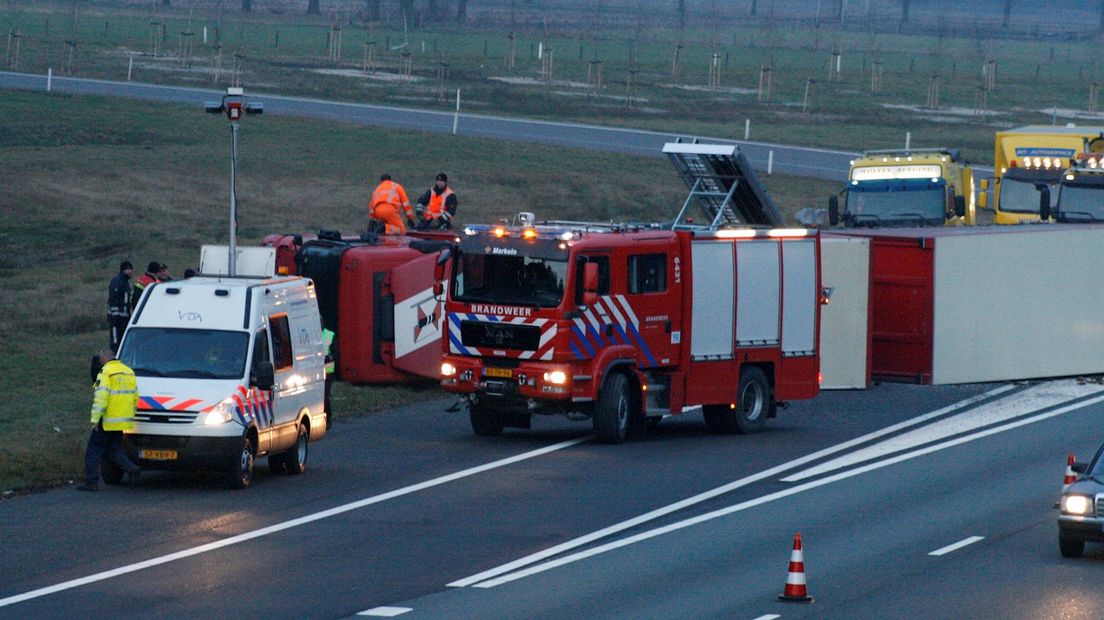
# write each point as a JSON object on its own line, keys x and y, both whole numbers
{"x": 130, "y": 67}
{"x": 456, "y": 116}
{"x": 770, "y": 162}
{"x": 49, "y": 79}
{"x": 205, "y": 35}
{"x": 747, "y": 129}
{"x": 908, "y": 139}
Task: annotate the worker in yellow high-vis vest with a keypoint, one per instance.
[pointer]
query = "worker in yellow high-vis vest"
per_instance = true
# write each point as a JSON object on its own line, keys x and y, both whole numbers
{"x": 114, "y": 403}
{"x": 330, "y": 366}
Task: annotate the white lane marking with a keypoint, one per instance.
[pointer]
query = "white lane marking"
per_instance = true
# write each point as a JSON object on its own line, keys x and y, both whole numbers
{"x": 958, "y": 545}
{"x": 385, "y": 611}
{"x": 752, "y": 503}
{"x": 279, "y": 527}
{"x": 701, "y": 497}
{"x": 769, "y": 617}
{"x": 1035, "y": 398}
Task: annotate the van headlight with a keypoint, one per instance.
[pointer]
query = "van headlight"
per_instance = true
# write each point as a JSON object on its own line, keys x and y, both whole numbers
{"x": 221, "y": 413}
{"x": 1077, "y": 505}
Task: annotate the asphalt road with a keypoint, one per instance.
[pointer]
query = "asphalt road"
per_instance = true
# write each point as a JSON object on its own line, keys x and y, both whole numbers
{"x": 398, "y": 505}
{"x": 787, "y": 159}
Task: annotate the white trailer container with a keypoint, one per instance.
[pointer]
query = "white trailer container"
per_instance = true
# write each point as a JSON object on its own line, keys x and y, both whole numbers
{"x": 968, "y": 305}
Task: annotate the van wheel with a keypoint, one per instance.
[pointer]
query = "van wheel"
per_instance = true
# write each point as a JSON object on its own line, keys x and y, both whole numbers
{"x": 295, "y": 459}
{"x": 612, "y": 411}
{"x": 485, "y": 421}
{"x": 752, "y": 406}
{"x": 112, "y": 473}
{"x": 241, "y": 470}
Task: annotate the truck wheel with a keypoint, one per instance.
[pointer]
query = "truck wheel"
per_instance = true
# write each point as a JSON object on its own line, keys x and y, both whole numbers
{"x": 241, "y": 469}
{"x": 484, "y": 421}
{"x": 754, "y": 400}
{"x": 752, "y": 406}
{"x": 1069, "y": 546}
{"x": 112, "y": 473}
{"x": 611, "y": 412}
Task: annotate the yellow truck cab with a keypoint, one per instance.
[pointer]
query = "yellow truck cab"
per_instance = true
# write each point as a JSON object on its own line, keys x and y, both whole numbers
{"x": 1029, "y": 161}
{"x": 1081, "y": 191}
{"x": 918, "y": 187}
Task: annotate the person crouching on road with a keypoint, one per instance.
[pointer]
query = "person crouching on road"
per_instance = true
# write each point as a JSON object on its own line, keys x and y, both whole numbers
{"x": 437, "y": 206}
{"x": 386, "y": 203}
{"x": 114, "y": 403}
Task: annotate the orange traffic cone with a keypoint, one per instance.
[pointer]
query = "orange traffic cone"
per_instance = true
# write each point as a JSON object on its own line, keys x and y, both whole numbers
{"x": 1070, "y": 477}
{"x": 796, "y": 591}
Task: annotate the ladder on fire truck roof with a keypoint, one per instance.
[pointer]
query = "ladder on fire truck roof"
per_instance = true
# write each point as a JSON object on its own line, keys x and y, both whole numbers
{"x": 722, "y": 186}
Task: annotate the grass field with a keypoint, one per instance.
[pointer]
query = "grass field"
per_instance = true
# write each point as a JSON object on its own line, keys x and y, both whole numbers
{"x": 288, "y": 53}
{"x": 86, "y": 186}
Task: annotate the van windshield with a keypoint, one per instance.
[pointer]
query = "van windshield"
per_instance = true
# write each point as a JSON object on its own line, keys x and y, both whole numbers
{"x": 185, "y": 353}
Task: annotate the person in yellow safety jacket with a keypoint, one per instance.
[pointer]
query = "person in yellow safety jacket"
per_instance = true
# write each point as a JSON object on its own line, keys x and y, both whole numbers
{"x": 114, "y": 403}
{"x": 387, "y": 200}
{"x": 437, "y": 206}
{"x": 327, "y": 344}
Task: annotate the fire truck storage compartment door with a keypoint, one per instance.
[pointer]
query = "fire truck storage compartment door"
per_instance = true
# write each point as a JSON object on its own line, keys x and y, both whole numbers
{"x": 757, "y": 293}
{"x": 799, "y": 290}
{"x": 713, "y": 304}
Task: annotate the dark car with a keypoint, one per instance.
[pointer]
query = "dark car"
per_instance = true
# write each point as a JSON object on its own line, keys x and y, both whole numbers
{"x": 1082, "y": 505}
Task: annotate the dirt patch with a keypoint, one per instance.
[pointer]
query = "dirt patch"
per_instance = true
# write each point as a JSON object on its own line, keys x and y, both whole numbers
{"x": 379, "y": 76}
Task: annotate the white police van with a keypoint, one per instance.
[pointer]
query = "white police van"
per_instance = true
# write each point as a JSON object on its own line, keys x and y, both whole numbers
{"x": 229, "y": 369}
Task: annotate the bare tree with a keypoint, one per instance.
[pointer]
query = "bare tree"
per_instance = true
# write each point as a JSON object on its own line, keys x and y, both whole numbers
{"x": 904, "y": 10}
{"x": 1007, "y": 12}
{"x": 682, "y": 14}
{"x": 166, "y": 2}
{"x": 462, "y": 11}
{"x": 374, "y": 10}
{"x": 754, "y": 6}
{"x": 313, "y": 8}
{"x": 247, "y": 6}
{"x": 407, "y": 9}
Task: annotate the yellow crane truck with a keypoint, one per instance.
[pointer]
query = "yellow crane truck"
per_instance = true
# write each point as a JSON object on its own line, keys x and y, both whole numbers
{"x": 917, "y": 187}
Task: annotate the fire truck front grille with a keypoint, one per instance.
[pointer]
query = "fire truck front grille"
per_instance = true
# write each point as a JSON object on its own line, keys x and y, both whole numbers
{"x": 500, "y": 335}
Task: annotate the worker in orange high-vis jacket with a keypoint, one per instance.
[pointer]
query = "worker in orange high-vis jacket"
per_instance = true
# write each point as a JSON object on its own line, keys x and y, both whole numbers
{"x": 386, "y": 203}
{"x": 437, "y": 206}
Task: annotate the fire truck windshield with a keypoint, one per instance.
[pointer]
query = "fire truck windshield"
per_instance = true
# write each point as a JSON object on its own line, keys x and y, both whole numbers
{"x": 517, "y": 279}
{"x": 876, "y": 203}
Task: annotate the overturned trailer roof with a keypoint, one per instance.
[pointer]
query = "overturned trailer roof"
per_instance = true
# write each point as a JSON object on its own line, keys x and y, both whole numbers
{"x": 724, "y": 189}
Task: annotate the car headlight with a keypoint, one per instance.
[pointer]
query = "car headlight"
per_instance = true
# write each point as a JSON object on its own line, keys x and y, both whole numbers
{"x": 220, "y": 413}
{"x": 1077, "y": 505}
{"x": 556, "y": 377}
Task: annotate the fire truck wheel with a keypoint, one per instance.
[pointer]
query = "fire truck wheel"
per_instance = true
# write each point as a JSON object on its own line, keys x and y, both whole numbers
{"x": 611, "y": 412}
{"x": 750, "y": 413}
{"x": 755, "y": 400}
{"x": 485, "y": 421}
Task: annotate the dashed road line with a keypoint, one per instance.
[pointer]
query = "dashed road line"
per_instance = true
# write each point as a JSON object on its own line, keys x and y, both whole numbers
{"x": 385, "y": 611}
{"x": 956, "y": 546}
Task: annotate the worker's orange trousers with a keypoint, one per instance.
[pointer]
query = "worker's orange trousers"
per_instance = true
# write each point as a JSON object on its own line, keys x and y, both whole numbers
{"x": 389, "y": 215}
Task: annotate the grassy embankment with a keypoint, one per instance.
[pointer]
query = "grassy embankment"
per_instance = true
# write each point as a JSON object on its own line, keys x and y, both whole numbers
{"x": 287, "y": 53}
{"x": 88, "y": 183}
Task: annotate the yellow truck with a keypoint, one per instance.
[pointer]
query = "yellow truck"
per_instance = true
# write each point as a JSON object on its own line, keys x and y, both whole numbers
{"x": 1028, "y": 164}
{"x": 917, "y": 187}
{"x": 1081, "y": 191}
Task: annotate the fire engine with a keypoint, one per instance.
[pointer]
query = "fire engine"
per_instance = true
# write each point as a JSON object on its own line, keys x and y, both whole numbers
{"x": 626, "y": 323}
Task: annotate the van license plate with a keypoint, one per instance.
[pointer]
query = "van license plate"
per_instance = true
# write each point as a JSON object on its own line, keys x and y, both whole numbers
{"x": 498, "y": 372}
{"x": 157, "y": 455}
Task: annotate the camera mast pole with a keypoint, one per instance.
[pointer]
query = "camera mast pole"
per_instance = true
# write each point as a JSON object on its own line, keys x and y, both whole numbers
{"x": 234, "y": 104}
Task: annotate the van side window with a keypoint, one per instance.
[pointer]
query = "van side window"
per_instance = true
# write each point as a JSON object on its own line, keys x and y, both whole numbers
{"x": 281, "y": 342}
{"x": 603, "y": 275}
{"x": 648, "y": 273}
{"x": 260, "y": 348}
